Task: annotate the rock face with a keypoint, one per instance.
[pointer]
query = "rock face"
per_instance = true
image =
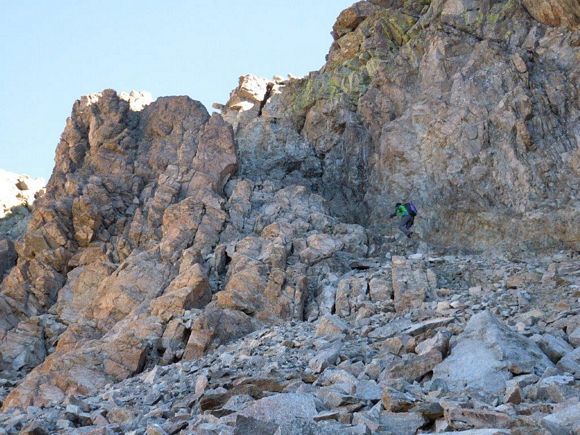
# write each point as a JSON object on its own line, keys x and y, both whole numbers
{"x": 250, "y": 251}
{"x": 467, "y": 107}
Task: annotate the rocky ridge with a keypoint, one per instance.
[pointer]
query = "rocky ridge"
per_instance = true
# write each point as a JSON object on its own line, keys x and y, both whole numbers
{"x": 166, "y": 234}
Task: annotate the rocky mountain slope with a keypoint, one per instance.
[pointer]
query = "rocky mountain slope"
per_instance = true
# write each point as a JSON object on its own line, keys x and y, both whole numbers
{"x": 166, "y": 234}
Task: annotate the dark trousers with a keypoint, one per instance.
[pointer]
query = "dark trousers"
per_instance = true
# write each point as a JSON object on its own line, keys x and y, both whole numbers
{"x": 406, "y": 224}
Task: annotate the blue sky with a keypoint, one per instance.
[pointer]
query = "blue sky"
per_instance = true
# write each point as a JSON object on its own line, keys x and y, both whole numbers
{"x": 52, "y": 52}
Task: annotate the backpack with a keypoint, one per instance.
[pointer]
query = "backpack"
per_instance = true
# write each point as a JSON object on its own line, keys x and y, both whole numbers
{"x": 411, "y": 208}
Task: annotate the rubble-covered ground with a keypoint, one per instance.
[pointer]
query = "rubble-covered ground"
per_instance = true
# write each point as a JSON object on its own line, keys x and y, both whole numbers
{"x": 426, "y": 342}
{"x": 237, "y": 272}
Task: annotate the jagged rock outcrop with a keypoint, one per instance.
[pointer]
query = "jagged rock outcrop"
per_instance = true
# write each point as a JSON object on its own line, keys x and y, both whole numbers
{"x": 468, "y": 107}
{"x": 135, "y": 235}
{"x": 166, "y": 233}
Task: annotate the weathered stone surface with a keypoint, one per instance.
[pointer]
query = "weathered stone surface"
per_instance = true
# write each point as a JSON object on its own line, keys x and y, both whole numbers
{"x": 190, "y": 289}
{"x": 410, "y": 284}
{"x": 402, "y": 422}
{"x": 462, "y": 418}
{"x": 487, "y": 354}
{"x": 331, "y": 326}
{"x": 350, "y": 292}
{"x": 413, "y": 367}
{"x": 167, "y": 235}
{"x": 397, "y": 401}
{"x": 574, "y": 337}
{"x": 326, "y": 357}
{"x": 246, "y": 425}
{"x": 282, "y": 408}
{"x": 563, "y": 421}
{"x": 554, "y": 347}
{"x": 216, "y": 326}
{"x": 439, "y": 342}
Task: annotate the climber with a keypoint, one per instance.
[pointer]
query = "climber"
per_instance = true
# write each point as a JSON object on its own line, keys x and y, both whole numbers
{"x": 407, "y": 213}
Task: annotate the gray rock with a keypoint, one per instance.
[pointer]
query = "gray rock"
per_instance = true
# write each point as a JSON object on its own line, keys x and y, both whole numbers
{"x": 330, "y": 325}
{"x": 494, "y": 431}
{"x": 282, "y": 409}
{"x": 460, "y": 417}
{"x": 325, "y": 358}
{"x": 552, "y": 346}
{"x": 570, "y": 363}
{"x": 368, "y": 390}
{"x": 563, "y": 421}
{"x": 574, "y": 337}
{"x": 402, "y": 422}
{"x": 486, "y": 355}
{"x": 250, "y": 425}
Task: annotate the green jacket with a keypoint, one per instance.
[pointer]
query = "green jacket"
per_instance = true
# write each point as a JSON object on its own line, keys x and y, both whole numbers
{"x": 402, "y": 211}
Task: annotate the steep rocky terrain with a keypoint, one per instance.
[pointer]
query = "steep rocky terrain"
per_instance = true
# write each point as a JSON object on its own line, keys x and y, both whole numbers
{"x": 238, "y": 273}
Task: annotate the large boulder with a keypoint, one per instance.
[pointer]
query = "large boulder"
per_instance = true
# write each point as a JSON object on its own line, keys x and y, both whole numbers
{"x": 555, "y": 12}
{"x": 486, "y": 355}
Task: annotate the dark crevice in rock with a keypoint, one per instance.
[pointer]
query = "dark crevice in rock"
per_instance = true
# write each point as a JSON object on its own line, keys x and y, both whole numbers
{"x": 267, "y": 95}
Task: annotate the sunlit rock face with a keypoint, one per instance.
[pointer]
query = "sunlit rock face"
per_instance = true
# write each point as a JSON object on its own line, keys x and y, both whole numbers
{"x": 166, "y": 232}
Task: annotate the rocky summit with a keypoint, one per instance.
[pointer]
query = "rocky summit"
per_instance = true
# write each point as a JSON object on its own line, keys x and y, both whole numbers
{"x": 238, "y": 273}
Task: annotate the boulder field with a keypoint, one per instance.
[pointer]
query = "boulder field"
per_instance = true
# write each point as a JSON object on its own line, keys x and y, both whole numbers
{"x": 238, "y": 272}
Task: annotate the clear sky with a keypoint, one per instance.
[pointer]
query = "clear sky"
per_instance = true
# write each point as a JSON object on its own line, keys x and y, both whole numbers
{"x": 52, "y": 52}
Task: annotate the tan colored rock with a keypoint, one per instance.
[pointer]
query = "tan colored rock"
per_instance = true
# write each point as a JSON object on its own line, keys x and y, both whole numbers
{"x": 513, "y": 394}
{"x": 522, "y": 279}
{"x": 414, "y": 367}
{"x": 462, "y": 418}
{"x": 410, "y": 285}
{"x": 216, "y": 154}
{"x": 350, "y": 18}
{"x": 439, "y": 342}
{"x": 350, "y": 293}
{"x": 319, "y": 247}
{"x": 380, "y": 289}
{"x": 555, "y": 12}
{"x": 397, "y": 401}
{"x": 190, "y": 289}
{"x": 331, "y": 326}
{"x": 216, "y": 326}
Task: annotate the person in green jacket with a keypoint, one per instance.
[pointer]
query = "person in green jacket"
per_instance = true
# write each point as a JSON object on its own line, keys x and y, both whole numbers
{"x": 407, "y": 213}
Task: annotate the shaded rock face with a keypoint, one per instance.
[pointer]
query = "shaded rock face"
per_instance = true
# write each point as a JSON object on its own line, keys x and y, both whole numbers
{"x": 469, "y": 108}
{"x": 165, "y": 233}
